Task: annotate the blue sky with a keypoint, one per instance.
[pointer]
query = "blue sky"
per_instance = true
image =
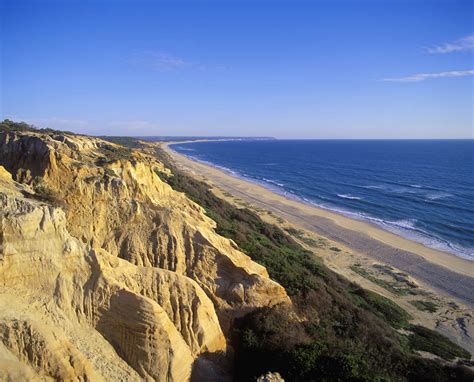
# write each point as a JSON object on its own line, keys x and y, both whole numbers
{"x": 290, "y": 69}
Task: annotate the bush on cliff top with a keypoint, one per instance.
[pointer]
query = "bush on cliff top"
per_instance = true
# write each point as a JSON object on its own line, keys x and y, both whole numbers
{"x": 8, "y": 125}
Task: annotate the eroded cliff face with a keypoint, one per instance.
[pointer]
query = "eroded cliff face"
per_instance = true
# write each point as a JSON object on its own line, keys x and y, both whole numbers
{"x": 106, "y": 272}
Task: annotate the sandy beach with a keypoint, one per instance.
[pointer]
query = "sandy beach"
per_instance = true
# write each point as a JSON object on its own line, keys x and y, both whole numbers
{"x": 444, "y": 272}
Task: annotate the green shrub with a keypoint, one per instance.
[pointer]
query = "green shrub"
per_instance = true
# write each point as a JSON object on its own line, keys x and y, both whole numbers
{"x": 427, "y": 306}
{"x": 8, "y": 125}
{"x": 428, "y": 340}
{"x": 112, "y": 153}
{"x": 129, "y": 142}
{"x": 45, "y": 193}
{"x": 382, "y": 307}
{"x": 390, "y": 286}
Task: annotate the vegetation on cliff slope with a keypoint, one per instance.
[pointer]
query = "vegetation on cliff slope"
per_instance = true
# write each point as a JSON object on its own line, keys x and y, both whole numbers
{"x": 339, "y": 332}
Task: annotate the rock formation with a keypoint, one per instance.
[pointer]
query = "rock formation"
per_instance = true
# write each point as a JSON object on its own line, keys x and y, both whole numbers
{"x": 107, "y": 273}
{"x": 270, "y": 377}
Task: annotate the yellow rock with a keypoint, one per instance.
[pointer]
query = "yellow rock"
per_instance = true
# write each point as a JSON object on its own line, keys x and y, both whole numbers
{"x": 4, "y": 174}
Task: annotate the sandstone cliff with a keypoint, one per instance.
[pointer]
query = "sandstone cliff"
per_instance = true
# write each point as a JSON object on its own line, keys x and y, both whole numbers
{"x": 106, "y": 272}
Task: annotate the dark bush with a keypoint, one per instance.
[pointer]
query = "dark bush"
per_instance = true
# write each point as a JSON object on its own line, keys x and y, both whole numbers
{"x": 112, "y": 153}
{"x": 8, "y": 125}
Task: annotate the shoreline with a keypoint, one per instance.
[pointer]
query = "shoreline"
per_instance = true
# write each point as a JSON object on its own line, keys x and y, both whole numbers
{"x": 443, "y": 271}
{"x": 382, "y": 225}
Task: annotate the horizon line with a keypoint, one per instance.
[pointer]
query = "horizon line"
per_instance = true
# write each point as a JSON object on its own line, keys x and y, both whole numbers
{"x": 222, "y": 137}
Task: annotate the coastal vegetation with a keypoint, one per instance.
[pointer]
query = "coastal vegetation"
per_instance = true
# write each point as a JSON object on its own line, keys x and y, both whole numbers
{"x": 427, "y": 306}
{"x": 12, "y": 126}
{"x": 113, "y": 153}
{"x": 337, "y": 330}
{"x": 393, "y": 287}
{"x": 300, "y": 235}
{"x": 44, "y": 193}
{"x": 424, "y": 339}
{"x": 8, "y": 125}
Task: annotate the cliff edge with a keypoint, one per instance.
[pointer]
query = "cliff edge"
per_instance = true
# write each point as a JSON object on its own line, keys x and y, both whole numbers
{"x": 107, "y": 273}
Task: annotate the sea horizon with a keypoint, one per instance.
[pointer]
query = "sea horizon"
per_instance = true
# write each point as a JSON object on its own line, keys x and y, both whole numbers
{"x": 181, "y": 139}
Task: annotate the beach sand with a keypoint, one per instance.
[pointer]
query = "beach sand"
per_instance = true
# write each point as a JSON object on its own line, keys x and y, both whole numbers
{"x": 361, "y": 251}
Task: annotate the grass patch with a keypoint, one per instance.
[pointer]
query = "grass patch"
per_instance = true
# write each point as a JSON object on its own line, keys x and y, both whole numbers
{"x": 129, "y": 142}
{"x": 300, "y": 235}
{"x": 426, "y": 306}
{"x": 295, "y": 232}
{"x": 428, "y": 340}
{"x": 310, "y": 242}
{"x": 382, "y": 307}
{"x": 391, "y": 287}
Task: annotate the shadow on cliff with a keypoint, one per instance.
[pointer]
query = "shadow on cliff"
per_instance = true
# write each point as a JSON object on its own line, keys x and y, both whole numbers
{"x": 211, "y": 367}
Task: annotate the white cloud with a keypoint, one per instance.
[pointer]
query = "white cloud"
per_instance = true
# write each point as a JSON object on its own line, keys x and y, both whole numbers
{"x": 426, "y": 76}
{"x": 463, "y": 44}
{"x": 161, "y": 61}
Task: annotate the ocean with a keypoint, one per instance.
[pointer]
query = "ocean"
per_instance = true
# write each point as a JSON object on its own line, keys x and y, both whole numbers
{"x": 420, "y": 189}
